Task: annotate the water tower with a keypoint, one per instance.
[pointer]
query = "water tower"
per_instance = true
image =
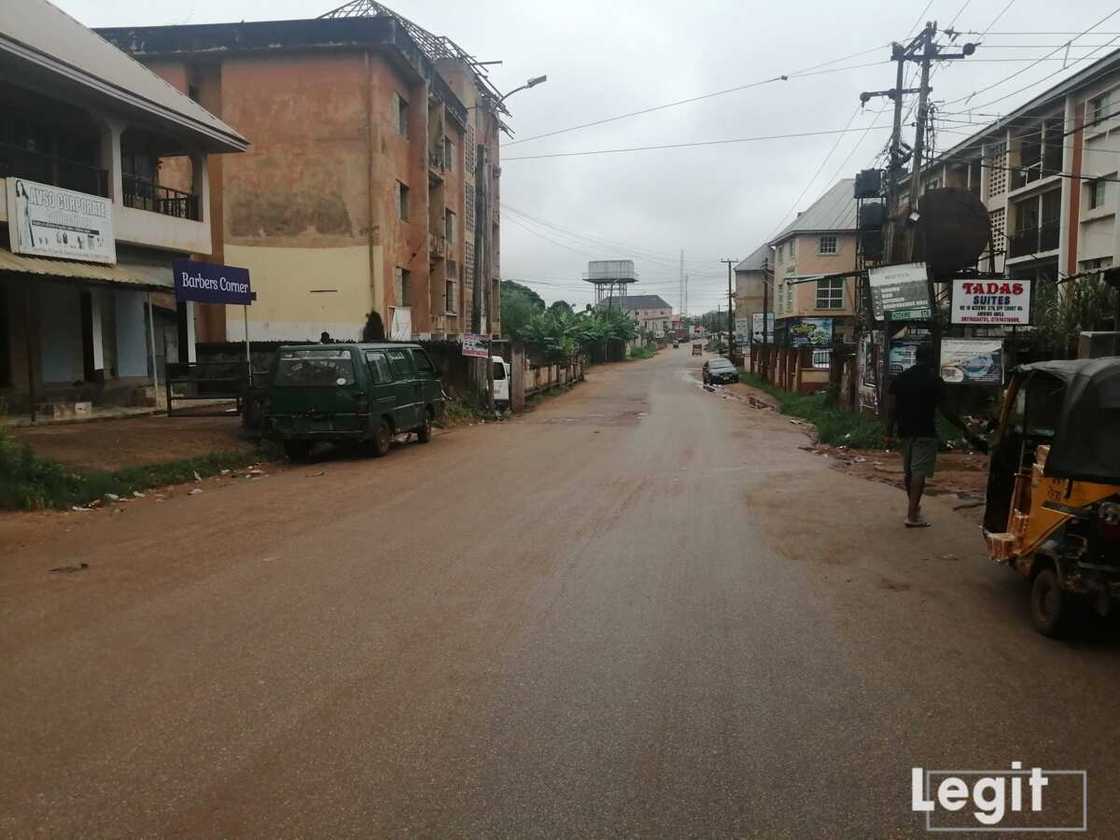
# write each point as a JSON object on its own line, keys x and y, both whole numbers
{"x": 610, "y": 279}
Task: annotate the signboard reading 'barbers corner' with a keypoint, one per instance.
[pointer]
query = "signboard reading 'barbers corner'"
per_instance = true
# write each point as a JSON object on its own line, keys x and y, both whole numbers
{"x": 209, "y": 283}
{"x": 992, "y": 302}
{"x": 49, "y": 221}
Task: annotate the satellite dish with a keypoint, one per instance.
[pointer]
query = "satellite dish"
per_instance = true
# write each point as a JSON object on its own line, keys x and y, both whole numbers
{"x": 952, "y": 229}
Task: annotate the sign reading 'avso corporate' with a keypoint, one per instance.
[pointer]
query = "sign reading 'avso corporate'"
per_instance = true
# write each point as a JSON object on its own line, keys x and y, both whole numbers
{"x": 52, "y": 222}
{"x": 209, "y": 283}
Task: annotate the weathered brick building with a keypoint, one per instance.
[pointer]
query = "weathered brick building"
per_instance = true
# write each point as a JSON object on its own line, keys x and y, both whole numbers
{"x": 359, "y": 191}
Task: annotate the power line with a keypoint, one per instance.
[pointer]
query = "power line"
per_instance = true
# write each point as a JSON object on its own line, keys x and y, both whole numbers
{"x": 814, "y": 70}
{"x": 1028, "y": 67}
{"x": 684, "y": 145}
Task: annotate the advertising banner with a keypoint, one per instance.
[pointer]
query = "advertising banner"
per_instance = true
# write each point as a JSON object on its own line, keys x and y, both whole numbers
{"x": 400, "y": 328}
{"x": 900, "y": 292}
{"x": 972, "y": 361}
{"x": 49, "y": 221}
{"x": 756, "y": 328}
{"x": 475, "y": 346}
{"x": 210, "y": 283}
{"x": 992, "y": 302}
{"x": 811, "y": 332}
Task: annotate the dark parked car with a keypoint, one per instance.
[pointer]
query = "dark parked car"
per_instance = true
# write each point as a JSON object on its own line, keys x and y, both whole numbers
{"x": 358, "y": 393}
{"x": 718, "y": 371}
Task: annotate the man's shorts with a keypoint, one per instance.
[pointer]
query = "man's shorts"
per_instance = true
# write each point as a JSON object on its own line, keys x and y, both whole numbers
{"x": 919, "y": 456}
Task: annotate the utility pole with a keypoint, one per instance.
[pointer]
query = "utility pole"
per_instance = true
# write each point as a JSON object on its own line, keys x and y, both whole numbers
{"x": 730, "y": 310}
{"x": 929, "y": 53}
{"x": 766, "y": 317}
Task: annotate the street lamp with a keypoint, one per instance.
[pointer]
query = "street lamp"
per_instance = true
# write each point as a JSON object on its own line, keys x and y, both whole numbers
{"x": 533, "y": 82}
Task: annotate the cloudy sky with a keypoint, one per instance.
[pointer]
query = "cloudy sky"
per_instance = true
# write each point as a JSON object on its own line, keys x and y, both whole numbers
{"x": 713, "y": 201}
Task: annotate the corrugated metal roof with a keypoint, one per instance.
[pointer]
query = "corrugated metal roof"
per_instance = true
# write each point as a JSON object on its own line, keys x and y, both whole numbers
{"x": 756, "y": 261}
{"x": 149, "y": 277}
{"x": 835, "y": 210}
{"x": 633, "y": 302}
{"x": 40, "y": 33}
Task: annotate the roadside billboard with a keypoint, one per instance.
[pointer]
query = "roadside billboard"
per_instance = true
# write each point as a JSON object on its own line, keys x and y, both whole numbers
{"x": 900, "y": 292}
{"x": 49, "y": 221}
{"x": 811, "y": 332}
{"x": 991, "y": 302}
{"x": 757, "y": 333}
{"x": 475, "y": 346}
{"x": 972, "y": 361}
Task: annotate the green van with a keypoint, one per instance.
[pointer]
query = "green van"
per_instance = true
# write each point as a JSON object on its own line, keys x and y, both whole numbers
{"x": 357, "y": 393}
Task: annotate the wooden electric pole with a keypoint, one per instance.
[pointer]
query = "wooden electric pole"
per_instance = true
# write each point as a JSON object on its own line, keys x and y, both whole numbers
{"x": 730, "y": 310}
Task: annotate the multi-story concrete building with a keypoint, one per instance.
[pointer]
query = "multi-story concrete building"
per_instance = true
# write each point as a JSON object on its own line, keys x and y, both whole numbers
{"x": 820, "y": 241}
{"x": 652, "y": 313}
{"x": 1047, "y": 173}
{"x": 359, "y": 193}
{"x": 106, "y": 174}
{"x": 752, "y": 295}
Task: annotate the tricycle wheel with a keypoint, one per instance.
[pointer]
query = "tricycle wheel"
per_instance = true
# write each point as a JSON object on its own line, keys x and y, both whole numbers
{"x": 1050, "y": 605}
{"x": 297, "y": 450}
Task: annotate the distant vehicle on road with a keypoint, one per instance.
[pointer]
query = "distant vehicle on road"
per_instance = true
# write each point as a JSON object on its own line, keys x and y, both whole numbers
{"x": 676, "y": 344}
{"x": 718, "y": 371}
{"x": 351, "y": 393}
{"x": 697, "y": 348}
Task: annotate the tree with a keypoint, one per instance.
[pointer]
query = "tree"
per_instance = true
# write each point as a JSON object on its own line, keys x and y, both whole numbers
{"x": 560, "y": 306}
{"x": 1062, "y": 314}
{"x": 374, "y": 329}
{"x": 519, "y": 304}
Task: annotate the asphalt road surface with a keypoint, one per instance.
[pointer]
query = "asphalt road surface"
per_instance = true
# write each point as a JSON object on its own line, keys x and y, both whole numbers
{"x": 638, "y": 611}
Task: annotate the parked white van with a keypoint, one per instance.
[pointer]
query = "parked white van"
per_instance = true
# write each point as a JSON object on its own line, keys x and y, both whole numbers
{"x": 501, "y": 382}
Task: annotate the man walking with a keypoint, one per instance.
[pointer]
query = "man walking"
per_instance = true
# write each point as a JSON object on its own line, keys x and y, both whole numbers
{"x": 915, "y": 396}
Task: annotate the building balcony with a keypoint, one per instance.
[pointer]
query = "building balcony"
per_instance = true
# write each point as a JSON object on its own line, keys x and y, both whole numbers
{"x": 19, "y": 162}
{"x": 1034, "y": 240}
{"x": 143, "y": 194}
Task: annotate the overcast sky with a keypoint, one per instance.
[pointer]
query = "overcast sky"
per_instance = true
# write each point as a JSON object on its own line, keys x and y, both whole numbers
{"x": 605, "y": 59}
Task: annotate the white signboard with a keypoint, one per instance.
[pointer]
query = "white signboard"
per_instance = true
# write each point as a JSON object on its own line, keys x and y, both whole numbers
{"x": 474, "y": 345}
{"x": 49, "y": 221}
{"x": 756, "y": 330}
{"x": 972, "y": 361}
{"x": 900, "y": 292}
{"x": 992, "y": 302}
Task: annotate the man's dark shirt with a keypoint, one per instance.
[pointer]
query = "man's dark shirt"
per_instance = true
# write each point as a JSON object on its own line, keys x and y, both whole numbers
{"x": 917, "y": 393}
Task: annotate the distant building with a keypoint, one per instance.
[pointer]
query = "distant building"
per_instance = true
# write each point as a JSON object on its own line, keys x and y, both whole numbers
{"x": 107, "y": 176}
{"x": 751, "y": 294}
{"x": 652, "y": 312}
{"x": 821, "y": 241}
{"x": 370, "y": 137}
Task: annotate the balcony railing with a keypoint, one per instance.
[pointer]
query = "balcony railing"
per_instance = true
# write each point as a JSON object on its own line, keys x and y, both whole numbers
{"x": 19, "y": 162}
{"x": 1034, "y": 240}
{"x": 437, "y": 245}
{"x": 143, "y": 194}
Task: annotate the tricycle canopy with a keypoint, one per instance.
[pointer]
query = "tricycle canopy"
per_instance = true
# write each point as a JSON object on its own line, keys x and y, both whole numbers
{"x": 1086, "y": 444}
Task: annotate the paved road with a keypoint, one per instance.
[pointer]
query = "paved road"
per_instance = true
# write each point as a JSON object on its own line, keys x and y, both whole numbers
{"x": 639, "y": 611}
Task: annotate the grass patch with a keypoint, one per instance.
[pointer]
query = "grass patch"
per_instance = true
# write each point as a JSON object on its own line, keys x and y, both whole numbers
{"x": 458, "y": 412}
{"x": 839, "y": 427}
{"x": 644, "y": 352}
{"x": 28, "y": 482}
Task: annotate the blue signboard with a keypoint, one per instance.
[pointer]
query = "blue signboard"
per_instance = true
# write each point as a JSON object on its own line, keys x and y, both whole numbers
{"x": 209, "y": 283}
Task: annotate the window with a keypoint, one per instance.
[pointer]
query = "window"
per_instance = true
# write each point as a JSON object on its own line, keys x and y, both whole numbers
{"x": 448, "y": 154}
{"x": 402, "y": 202}
{"x": 400, "y": 286}
{"x": 826, "y": 245}
{"x": 449, "y": 297}
{"x": 402, "y": 114}
{"x": 1100, "y": 107}
{"x": 789, "y": 297}
{"x": 314, "y": 369}
{"x": 378, "y": 367}
{"x": 449, "y": 227}
{"x": 470, "y": 149}
{"x": 499, "y": 371}
{"x": 423, "y": 363}
{"x": 401, "y": 364}
{"x": 830, "y": 293}
{"x": 1098, "y": 194}
{"x": 792, "y": 248}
